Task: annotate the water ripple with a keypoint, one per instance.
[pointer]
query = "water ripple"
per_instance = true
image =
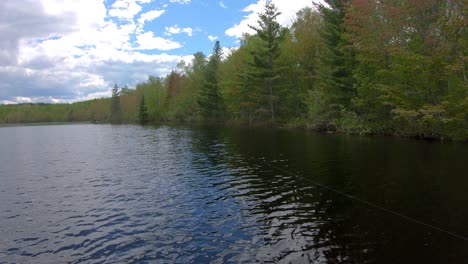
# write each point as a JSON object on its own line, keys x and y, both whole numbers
{"x": 126, "y": 194}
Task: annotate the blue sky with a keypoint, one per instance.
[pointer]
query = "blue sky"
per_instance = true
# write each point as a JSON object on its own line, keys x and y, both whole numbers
{"x": 196, "y": 21}
{"x": 70, "y": 50}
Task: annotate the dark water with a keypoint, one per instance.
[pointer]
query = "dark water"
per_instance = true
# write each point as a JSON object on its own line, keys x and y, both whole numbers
{"x": 106, "y": 194}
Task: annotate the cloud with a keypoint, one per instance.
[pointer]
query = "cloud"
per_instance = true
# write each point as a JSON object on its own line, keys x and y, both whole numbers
{"x": 27, "y": 20}
{"x": 22, "y": 100}
{"x": 75, "y": 81}
{"x": 125, "y": 9}
{"x": 147, "y": 41}
{"x": 7, "y": 102}
{"x": 180, "y": 1}
{"x": 221, "y": 3}
{"x": 212, "y": 38}
{"x": 287, "y": 9}
{"x": 177, "y": 30}
{"x": 66, "y": 51}
{"x": 228, "y": 51}
{"x": 57, "y": 82}
{"x": 150, "y": 16}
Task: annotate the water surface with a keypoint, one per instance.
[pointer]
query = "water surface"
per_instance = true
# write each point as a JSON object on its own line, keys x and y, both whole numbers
{"x": 99, "y": 193}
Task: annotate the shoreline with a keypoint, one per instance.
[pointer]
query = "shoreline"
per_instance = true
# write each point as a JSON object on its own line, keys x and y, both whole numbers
{"x": 245, "y": 125}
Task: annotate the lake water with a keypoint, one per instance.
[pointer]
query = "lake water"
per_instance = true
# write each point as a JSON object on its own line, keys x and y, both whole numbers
{"x": 105, "y": 194}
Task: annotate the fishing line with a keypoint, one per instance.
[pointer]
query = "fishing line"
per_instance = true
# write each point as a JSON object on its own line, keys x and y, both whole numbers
{"x": 375, "y": 205}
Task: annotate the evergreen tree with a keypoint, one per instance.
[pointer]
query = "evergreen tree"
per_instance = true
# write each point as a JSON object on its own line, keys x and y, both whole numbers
{"x": 115, "y": 105}
{"x": 265, "y": 57}
{"x": 143, "y": 111}
{"x": 125, "y": 90}
{"x": 210, "y": 100}
{"x": 338, "y": 62}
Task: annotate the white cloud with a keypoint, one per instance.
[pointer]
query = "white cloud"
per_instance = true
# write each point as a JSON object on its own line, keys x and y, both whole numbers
{"x": 24, "y": 20}
{"x": 66, "y": 51}
{"x": 125, "y": 9}
{"x": 147, "y": 41}
{"x": 88, "y": 13}
{"x": 177, "y": 30}
{"x": 222, "y": 4}
{"x": 212, "y": 38}
{"x": 7, "y": 102}
{"x": 180, "y": 1}
{"x": 90, "y": 76}
{"x": 228, "y": 51}
{"x": 286, "y": 7}
{"x": 150, "y": 16}
{"x": 22, "y": 100}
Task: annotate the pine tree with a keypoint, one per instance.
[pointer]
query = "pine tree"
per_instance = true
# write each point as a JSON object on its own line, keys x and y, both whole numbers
{"x": 143, "y": 111}
{"x": 339, "y": 60}
{"x": 115, "y": 105}
{"x": 264, "y": 64}
{"x": 210, "y": 100}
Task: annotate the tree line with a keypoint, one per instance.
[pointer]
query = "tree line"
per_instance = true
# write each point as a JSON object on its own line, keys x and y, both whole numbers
{"x": 363, "y": 66}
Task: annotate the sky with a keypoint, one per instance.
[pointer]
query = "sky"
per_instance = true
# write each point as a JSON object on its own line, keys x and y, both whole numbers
{"x": 57, "y": 51}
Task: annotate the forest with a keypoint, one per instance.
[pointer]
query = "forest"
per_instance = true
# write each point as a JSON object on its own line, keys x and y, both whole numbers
{"x": 392, "y": 67}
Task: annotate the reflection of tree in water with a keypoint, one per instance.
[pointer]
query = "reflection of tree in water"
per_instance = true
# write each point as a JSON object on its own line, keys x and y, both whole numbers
{"x": 296, "y": 219}
{"x": 291, "y": 216}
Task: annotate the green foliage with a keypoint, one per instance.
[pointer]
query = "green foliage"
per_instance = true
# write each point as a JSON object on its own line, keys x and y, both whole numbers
{"x": 154, "y": 93}
{"x": 210, "y": 99}
{"x": 338, "y": 59}
{"x": 320, "y": 113}
{"x": 409, "y": 78}
{"x": 143, "y": 111}
{"x": 115, "y": 106}
{"x": 304, "y": 46}
{"x": 97, "y": 110}
{"x": 350, "y": 122}
{"x": 234, "y": 83}
{"x": 187, "y": 83}
{"x": 264, "y": 67}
